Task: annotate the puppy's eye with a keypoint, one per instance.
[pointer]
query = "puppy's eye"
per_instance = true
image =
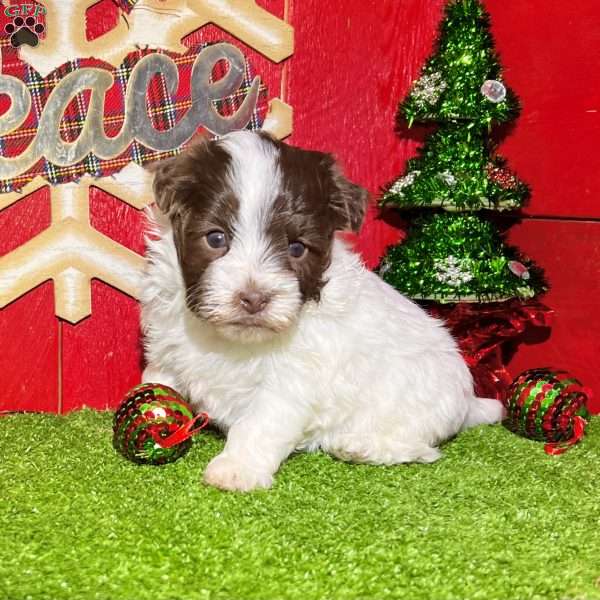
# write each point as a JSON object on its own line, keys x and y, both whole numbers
{"x": 296, "y": 249}
{"x": 216, "y": 239}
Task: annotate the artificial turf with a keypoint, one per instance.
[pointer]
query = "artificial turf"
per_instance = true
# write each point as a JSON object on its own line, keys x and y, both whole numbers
{"x": 496, "y": 518}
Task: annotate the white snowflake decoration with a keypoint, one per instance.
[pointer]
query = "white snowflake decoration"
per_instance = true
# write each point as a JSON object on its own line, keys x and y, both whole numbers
{"x": 428, "y": 88}
{"x": 453, "y": 271}
{"x": 403, "y": 182}
{"x": 447, "y": 177}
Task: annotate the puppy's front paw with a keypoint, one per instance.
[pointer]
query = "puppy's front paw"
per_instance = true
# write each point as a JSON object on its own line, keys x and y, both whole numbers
{"x": 226, "y": 473}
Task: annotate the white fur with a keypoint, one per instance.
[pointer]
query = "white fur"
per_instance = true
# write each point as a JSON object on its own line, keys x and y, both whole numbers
{"x": 250, "y": 262}
{"x": 363, "y": 374}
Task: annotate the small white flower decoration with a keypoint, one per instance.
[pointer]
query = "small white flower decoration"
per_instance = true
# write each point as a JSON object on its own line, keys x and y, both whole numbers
{"x": 428, "y": 88}
{"x": 453, "y": 271}
{"x": 403, "y": 182}
{"x": 447, "y": 177}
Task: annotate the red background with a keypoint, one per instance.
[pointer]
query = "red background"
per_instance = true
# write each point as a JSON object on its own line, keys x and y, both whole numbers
{"x": 354, "y": 60}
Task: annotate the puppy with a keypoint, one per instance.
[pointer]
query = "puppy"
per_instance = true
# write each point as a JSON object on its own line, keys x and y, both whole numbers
{"x": 255, "y": 311}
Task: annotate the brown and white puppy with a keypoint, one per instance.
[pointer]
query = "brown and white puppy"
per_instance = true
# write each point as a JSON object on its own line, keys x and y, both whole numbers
{"x": 254, "y": 253}
{"x": 255, "y": 311}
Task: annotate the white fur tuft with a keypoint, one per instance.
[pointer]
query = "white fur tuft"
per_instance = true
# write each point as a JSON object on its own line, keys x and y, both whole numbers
{"x": 484, "y": 411}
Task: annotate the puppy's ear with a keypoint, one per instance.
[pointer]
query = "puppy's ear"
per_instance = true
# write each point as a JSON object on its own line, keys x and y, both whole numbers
{"x": 174, "y": 177}
{"x": 164, "y": 185}
{"x": 348, "y": 201}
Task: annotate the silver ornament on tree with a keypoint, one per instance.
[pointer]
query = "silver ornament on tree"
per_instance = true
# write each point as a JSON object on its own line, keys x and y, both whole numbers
{"x": 519, "y": 269}
{"x": 494, "y": 91}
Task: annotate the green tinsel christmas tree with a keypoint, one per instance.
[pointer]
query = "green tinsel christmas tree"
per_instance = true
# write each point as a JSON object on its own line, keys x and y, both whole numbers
{"x": 452, "y": 254}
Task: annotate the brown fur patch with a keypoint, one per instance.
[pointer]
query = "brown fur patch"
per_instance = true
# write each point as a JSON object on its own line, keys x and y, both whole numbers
{"x": 315, "y": 200}
{"x": 192, "y": 190}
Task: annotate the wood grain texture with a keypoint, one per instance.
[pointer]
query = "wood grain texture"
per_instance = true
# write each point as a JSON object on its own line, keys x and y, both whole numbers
{"x": 102, "y": 355}
{"x": 353, "y": 64}
{"x": 28, "y": 328}
{"x": 355, "y": 61}
{"x": 570, "y": 254}
{"x": 550, "y": 52}
{"x": 29, "y": 367}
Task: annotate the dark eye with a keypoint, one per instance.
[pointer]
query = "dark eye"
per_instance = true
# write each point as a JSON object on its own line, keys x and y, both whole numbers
{"x": 296, "y": 249}
{"x": 216, "y": 239}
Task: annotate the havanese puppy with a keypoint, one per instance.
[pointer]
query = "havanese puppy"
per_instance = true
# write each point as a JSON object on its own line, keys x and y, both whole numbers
{"x": 260, "y": 316}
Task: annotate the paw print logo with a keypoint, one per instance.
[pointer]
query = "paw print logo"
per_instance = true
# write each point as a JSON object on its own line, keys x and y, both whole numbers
{"x": 24, "y": 31}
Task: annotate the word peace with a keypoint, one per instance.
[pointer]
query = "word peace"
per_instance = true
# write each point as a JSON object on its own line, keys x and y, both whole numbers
{"x": 137, "y": 125}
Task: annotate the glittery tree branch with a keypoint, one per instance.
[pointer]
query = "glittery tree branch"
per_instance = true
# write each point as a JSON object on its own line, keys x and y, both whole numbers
{"x": 462, "y": 80}
{"x": 454, "y": 170}
{"x": 452, "y": 257}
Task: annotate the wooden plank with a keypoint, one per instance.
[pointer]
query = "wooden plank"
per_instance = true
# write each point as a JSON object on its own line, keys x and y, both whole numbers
{"x": 29, "y": 359}
{"x": 550, "y": 53}
{"x": 102, "y": 355}
{"x": 28, "y": 328}
{"x": 354, "y": 62}
{"x": 569, "y": 252}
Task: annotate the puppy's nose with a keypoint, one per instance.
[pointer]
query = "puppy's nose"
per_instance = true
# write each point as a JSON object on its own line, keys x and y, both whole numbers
{"x": 253, "y": 302}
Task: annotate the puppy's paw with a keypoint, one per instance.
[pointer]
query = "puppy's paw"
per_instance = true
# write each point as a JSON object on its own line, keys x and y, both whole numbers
{"x": 226, "y": 473}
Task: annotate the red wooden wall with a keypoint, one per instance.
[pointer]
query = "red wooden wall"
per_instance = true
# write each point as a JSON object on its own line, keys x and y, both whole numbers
{"x": 354, "y": 60}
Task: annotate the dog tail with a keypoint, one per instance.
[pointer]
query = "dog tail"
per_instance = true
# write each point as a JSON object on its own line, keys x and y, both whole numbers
{"x": 483, "y": 411}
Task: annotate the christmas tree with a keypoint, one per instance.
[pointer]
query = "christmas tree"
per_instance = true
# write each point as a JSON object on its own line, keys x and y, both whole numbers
{"x": 451, "y": 253}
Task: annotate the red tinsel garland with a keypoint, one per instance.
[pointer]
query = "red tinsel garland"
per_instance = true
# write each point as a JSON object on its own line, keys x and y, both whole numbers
{"x": 482, "y": 332}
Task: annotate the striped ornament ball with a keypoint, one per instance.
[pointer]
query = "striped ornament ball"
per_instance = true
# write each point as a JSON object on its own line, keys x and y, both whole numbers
{"x": 547, "y": 405}
{"x": 154, "y": 425}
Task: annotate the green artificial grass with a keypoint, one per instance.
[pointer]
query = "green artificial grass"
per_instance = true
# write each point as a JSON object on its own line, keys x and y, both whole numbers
{"x": 494, "y": 519}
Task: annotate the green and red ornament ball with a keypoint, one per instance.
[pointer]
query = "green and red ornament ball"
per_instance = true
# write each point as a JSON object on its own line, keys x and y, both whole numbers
{"x": 154, "y": 425}
{"x": 547, "y": 405}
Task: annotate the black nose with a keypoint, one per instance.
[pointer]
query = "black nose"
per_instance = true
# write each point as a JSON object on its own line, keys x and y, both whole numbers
{"x": 253, "y": 302}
